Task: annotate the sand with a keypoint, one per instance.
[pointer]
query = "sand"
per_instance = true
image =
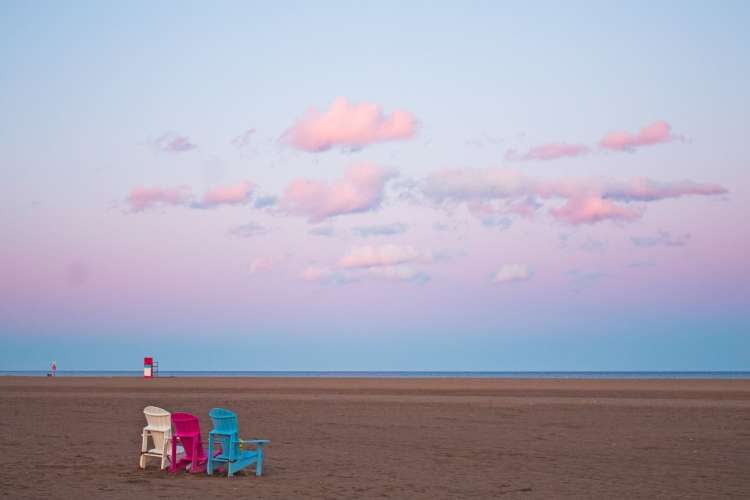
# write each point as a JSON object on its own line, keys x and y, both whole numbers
{"x": 389, "y": 438}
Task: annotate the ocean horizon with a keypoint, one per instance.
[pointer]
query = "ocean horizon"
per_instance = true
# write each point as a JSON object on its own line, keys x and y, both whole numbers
{"x": 396, "y": 374}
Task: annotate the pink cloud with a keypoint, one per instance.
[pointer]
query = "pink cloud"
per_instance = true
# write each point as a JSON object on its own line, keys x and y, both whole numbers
{"x": 349, "y": 125}
{"x": 587, "y": 201}
{"x": 360, "y": 190}
{"x": 548, "y": 152}
{"x": 143, "y": 198}
{"x": 377, "y": 256}
{"x": 235, "y": 194}
{"x": 656, "y": 133}
{"x": 591, "y": 209}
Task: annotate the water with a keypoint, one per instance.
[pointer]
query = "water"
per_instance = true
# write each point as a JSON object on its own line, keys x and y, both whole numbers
{"x": 401, "y": 374}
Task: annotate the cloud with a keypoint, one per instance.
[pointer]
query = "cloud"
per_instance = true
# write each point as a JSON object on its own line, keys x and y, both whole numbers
{"x": 463, "y": 184}
{"x": 546, "y": 152}
{"x": 446, "y": 255}
{"x": 386, "y": 262}
{"x": 248, "y": 230}
{"x": 374, "y": 256}
{"x": 643, "y": 189}
{"x": 663, "y": 238}
{"x": 349, "y": 125}
{"x": 235, "y": 194}
{"x": 317, "y": 274}
{"x": 593, "y": 209}
{"x": 491, "y": 217}
{"x": 326, "y": 275}
{"x": 264, "y": 263}
{"x": 525, "y": 207}
{"x": 585, "y": 200}
{"x": 173, "y": 143}
{"x": 322, "y": 231}
{"x": 360, "y": 190}
{"x": 510, "y": 273}
{"x": 497, "y": 214}
{"x": 379, "y": 230}
{"x": 399, "y": 273}
{"x": 144, "y": 198}
{"x": 405, "y": 190}
{"x": 497, "y": 222}
{"x": 581, "y": 277}
{"x": 659, "y": 132}
{"x": 265, "y": 201}
{"x": 243, "y": 140}
{"x": 594, "y": 246}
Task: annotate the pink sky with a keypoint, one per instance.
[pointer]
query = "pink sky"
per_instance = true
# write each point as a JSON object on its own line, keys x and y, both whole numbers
{"x": 446, "y": 187}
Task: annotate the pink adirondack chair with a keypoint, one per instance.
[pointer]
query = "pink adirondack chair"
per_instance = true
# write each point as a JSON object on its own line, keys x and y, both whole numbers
{"x": 186, "y": 429}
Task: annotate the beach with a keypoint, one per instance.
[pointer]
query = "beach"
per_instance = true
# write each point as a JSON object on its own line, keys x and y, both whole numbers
{"x": 423, "y": 438}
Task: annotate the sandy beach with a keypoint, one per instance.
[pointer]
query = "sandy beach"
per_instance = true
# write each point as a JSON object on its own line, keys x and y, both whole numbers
{"x": 389, "y": 438}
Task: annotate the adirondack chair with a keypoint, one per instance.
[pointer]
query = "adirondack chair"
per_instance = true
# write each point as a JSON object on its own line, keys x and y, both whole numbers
{"x": 187, "y": 432}
{"x": 159, "y": 430}
{"x": 233, "y": 453}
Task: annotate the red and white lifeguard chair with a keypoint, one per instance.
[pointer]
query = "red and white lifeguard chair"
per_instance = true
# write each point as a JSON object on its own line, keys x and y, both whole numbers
{"x": 150, "y": 367}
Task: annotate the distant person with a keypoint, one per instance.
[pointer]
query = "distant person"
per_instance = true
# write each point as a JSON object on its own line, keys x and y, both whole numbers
{"x": 54, "y": 368}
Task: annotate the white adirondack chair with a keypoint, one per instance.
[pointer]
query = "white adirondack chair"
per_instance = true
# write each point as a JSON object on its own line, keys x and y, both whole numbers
{"x": 159, "y": 430}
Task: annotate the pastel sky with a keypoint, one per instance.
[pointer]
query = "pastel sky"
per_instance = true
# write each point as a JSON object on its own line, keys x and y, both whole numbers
{"x": 376, "y": 186}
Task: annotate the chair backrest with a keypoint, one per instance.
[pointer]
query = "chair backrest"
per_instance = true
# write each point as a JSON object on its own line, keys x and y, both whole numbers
{"x": 158, "y": 420}
{"x": 225, "y": 432}
{"x": 224, "y": 421}
{"x": 185, "y": 424}
{"x": 187, "y": 430}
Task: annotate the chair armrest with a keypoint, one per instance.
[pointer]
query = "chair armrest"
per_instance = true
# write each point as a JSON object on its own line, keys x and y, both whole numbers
{"x": 259, "y": 442}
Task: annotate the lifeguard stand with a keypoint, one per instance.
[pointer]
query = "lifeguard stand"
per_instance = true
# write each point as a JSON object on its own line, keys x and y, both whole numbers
{"x": 150, "y": 367}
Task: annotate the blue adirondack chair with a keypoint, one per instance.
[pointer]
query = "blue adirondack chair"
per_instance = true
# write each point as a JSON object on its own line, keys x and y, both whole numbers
{"x": 233, "y": 453}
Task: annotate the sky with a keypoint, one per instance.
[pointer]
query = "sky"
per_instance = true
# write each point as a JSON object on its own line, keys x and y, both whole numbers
{"x": 375, "y": 186}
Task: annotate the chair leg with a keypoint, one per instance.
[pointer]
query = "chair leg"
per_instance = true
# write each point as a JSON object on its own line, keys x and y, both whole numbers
{"x": 210, "y": 464}
{"x": 144, "y": 449}
{"x": 165, "y": 453}
{"x": 173, "y": 465}
{"x": 259, "y": 462}
{"x": 194, "y": 465}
